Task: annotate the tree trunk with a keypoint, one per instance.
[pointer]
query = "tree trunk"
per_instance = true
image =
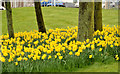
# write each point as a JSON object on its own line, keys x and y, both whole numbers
{"x": 107, "y": 4}
{"x": 86, "y": 21}
{"x": 9, "y": 19}
{"x": 119, "y": 32}
{"x": 98, "y": 16}
{"x": 39, "y": 16}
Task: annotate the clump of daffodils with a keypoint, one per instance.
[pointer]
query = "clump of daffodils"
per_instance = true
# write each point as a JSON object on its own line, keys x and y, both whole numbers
{"x": 55, "y": 44}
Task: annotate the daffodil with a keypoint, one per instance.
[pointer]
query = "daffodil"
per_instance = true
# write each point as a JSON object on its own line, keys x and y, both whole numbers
{"x": 16, "y": 63}
{"x": 90, "y": 56}
{"x": 70, "y": 53}
{"x": 25, "y": 58}
{"x": 19, "y": 58}
{"x": 22, "y": 53}
{"x": 77, "y": 53}
{"x": 55, "y": 56}
{"x": 3, "y": 59}
{"x": 60, "y": 57}
{"x": 44, "y": 56}
{"x": 92, "y": 47}
{"x": 58, "y": 54}
{"x": 111, "y": 46}
{"x": 117, "y": 58}
{"x": 34, "y": 58}
{"x": 49, "y": 51}
{"x": 49, "y": 56}
{"x": 100, "y": 49}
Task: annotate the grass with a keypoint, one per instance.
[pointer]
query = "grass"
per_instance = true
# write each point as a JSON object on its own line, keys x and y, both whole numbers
{"x": 99, "y": 67}
{"x": 24, "y": 19}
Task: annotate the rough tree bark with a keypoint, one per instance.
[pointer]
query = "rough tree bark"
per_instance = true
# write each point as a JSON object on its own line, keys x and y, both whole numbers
{"x": 98, "y": 16}
{"x": 9, "y": 19}
{"x": 40, "y": 22}
{"x": 86, "y": 21}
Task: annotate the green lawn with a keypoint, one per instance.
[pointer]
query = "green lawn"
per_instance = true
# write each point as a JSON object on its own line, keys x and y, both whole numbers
{"x": 24, "y": 19}
{"x": 99, "y": 67}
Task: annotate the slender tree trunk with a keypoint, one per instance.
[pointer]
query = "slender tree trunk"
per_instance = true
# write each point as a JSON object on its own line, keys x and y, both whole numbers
{"x": 9, "y": 19}
{"x": 98, "y": 16}
{"x": 39, "y": 16}
{"x": 86, "y": 21}
{"x": 119, "y": 18}
{"x": 119, "y": 30}
{"x": 0, "y": 3}
{"x": 107, "y": 4}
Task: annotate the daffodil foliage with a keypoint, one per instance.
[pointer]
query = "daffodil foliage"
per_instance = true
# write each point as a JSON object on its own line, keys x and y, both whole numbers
{"x": 57, "y": 50}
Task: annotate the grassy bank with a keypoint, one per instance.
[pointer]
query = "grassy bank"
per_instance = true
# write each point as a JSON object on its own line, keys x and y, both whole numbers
{"x": 24, "y": 18}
